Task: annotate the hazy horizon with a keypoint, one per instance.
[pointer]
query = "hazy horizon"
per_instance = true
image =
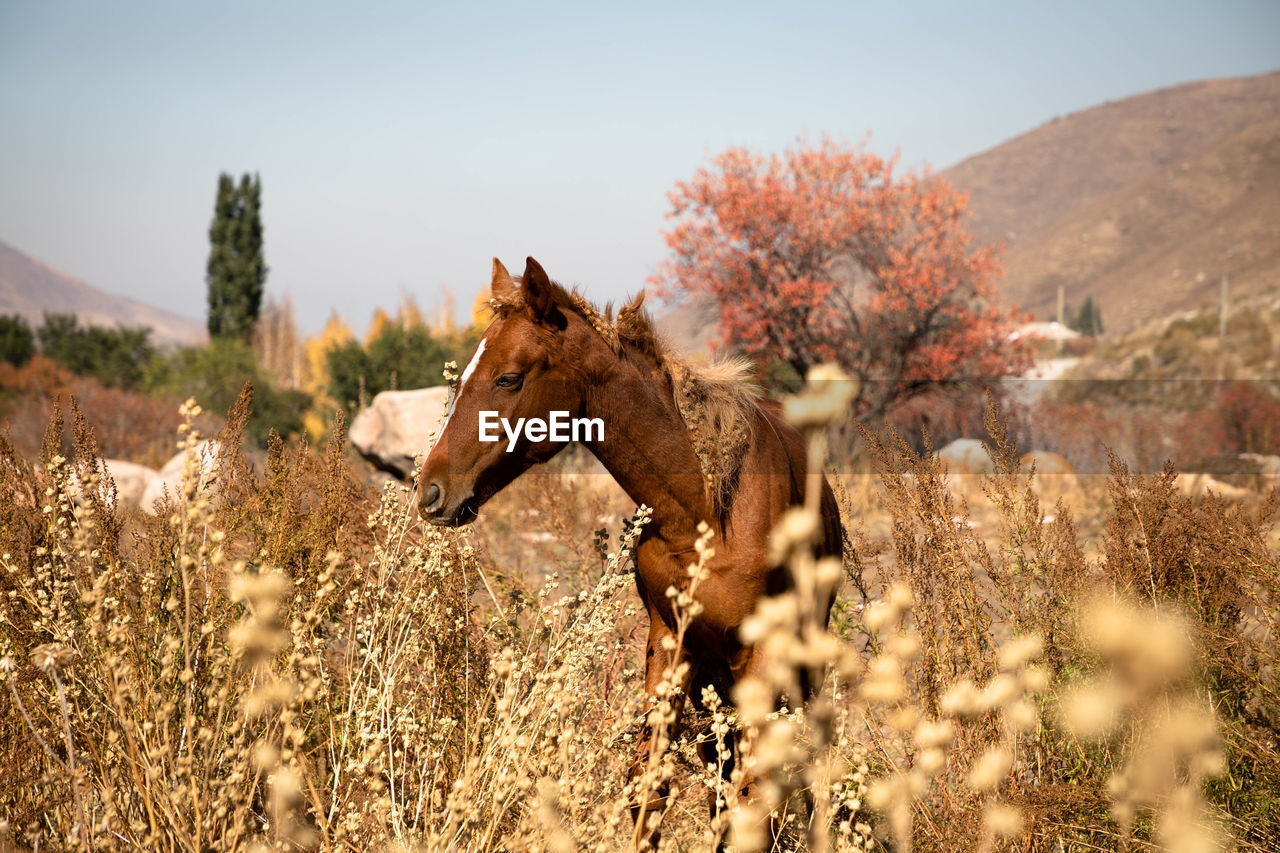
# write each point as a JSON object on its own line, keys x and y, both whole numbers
{"x": 400, "y": 148}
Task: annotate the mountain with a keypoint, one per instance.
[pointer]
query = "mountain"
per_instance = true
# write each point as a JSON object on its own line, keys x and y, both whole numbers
{"x": 32, "y": 288}
{"x": 1142, "y": 203}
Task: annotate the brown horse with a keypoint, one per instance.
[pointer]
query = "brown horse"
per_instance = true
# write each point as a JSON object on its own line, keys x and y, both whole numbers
{"x": 694, "y": 444}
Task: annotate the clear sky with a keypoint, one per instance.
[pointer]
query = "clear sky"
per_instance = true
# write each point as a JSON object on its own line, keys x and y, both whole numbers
{"x": 403, "y": 145}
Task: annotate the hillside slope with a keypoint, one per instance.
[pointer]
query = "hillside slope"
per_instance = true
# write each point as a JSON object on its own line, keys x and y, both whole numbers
{"x": 1163, "y": 243}
{"x": 1036, "y": 179}
{"x": 32, "y": 288}
{"x": 1137, "y": 201}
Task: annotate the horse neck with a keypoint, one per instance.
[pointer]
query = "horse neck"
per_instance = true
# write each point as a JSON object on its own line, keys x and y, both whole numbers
{"x": 646, "y": 447}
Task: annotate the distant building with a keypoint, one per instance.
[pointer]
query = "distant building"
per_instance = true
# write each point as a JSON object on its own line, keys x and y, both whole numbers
{"x": 1041, "y": 331}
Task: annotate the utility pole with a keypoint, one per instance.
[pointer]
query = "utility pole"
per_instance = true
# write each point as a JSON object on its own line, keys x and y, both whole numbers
{"x": 1223, "y": 299}
{"x": 1222, "y": 311}
{"x": 1062, "y": 305}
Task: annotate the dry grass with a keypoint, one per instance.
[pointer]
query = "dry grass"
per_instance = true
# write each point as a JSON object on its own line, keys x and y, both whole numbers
{"x": 287, "y": 661}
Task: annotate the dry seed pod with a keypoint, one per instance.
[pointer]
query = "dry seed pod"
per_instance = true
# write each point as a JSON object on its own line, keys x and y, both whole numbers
{"x": 1018, "y": 652}
{"x": 931, "y": 761}
{"x": 962, "y": 700}
{"x": 779, "y": 611}
{"x": 1035, "y": 679}
{"x": 905, "y": 647}
{"x": 883, "y": 683}
{"x": 990, "y": 769}
{"x": 1000, "y": 691}
{"x": 51, "y": 656}
{"x": 826, "y": 396}
{"x": 1002, "y": 820}
{"x": 933, "y": 733}
{"x": 1092, "y": 710}
{"x": 1146, "y": 647}
{"x": 828, "y": 571}
{"x": 878, "y": 616}
{"x": 754, "y": 700}
{"x": 904, "y": 719}
{"x": 1023, "y": 716}
{"x": 900, "y": 597}
{"x": 798, "y": 528}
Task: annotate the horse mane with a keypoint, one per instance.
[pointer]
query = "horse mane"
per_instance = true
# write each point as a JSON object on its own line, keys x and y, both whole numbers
{"x": 715, "y": 400}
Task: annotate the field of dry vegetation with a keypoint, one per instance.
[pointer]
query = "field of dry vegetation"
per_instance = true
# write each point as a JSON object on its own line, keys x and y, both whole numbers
{"x": 287, "y": 659}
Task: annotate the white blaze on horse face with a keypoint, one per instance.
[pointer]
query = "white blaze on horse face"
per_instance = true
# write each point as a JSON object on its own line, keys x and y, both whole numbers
{"x": 471, "y": 365}
{"x": 462, "y": 383}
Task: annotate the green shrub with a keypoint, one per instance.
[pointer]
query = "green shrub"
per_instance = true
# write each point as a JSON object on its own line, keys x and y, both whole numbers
{"x": 217, "y": 373}
{"x": 116, "y": 357}
{"x": 399, "y": 357}
{"x": 17, "y": 343}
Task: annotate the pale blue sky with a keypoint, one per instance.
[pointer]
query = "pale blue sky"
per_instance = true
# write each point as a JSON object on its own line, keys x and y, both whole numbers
{"x": 401, "y": 147}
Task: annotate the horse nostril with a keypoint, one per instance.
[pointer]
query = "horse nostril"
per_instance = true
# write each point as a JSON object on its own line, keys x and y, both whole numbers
{"x": 429, "y": 498}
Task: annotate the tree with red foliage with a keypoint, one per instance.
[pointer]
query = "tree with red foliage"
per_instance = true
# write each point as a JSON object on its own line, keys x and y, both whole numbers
{"x": 825, "y": 254}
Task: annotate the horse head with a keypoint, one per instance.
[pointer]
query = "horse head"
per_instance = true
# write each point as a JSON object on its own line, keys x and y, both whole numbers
{"x": 534, "y": 360}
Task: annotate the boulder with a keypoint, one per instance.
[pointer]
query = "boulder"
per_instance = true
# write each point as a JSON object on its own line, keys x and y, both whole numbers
{"x": 169, "y": 477}
{"x": 1196, "y": 485}
{"x": 1268, "y": 467}
{"x": 396, "y": 425}
{"x": 131, "y": 479}
{"x": 1054, "y": 474}
{"x": 966, "y": 456}
{"x": 1047, "y": 464}
{"x": 1254, "y": 471}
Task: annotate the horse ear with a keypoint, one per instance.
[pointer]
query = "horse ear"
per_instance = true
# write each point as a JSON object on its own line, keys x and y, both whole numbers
{"x": 537, "y": 290}
{"x": 502, "y": 285}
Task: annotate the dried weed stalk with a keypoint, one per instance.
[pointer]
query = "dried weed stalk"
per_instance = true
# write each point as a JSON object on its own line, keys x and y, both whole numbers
{"x": 284, "y": 661}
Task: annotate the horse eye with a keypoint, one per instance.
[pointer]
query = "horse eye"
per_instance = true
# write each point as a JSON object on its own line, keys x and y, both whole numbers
{"x": 510, "y": 380}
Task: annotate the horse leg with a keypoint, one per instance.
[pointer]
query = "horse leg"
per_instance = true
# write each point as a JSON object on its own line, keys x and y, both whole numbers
{"x": 651, "y": 803}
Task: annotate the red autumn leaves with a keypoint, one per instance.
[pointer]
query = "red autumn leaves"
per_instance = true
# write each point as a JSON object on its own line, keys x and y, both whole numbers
{"x": 825, "y": 254}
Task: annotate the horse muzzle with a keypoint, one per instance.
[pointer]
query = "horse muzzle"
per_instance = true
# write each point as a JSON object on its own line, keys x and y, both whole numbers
{"x": 435, "y": 507}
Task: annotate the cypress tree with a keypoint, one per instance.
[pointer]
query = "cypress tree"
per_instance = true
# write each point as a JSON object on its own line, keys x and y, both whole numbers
{"x": 237, "y": 270}
{"x": 1089, "y": 321}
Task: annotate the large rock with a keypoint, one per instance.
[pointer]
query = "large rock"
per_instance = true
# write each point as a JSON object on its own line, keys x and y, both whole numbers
{"x": 169, "y": 478}
{"x": 1054, "y": 474}
{"x": 966, "y": 456}
{"x": 396, "y": 425}
{"x": 1196, "y": 485}
{"x": 1268, "y": 468}
{"x": 1255, "y": 471}
{"x": 131, "y": 479}
{"x": 1048, "y": 464}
